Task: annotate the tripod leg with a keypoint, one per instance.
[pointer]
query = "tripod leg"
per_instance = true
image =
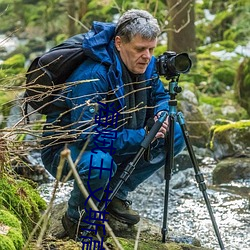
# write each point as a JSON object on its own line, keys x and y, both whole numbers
{"x": 199, "y": 176}
{"x": 168, "y": 173}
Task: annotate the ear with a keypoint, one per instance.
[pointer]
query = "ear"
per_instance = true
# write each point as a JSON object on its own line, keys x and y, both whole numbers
{"x": 118, "y": 42}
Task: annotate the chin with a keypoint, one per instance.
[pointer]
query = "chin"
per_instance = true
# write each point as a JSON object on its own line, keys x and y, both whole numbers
{"x": 139, "y": 72}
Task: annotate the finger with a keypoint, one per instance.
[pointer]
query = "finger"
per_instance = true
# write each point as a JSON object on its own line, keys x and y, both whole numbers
{"x": 159, "y": 135}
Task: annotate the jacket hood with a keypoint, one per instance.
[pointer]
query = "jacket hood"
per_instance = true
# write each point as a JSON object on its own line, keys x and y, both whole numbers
{"x": 98, "y": 43}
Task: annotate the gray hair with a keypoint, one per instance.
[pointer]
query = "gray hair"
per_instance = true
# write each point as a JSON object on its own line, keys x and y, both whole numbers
{"x": 137, "y": 22}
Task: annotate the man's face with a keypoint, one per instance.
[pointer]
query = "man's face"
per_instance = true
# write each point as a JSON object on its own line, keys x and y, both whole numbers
{"x": 137, "y": 53}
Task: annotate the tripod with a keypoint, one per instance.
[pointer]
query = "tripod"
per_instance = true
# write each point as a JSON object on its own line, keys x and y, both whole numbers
{"x": 172, "y": 115}
{"x": 173, "y": 90}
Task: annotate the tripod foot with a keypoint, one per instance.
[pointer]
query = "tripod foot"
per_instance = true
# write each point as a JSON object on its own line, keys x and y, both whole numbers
{"x": 164, "y": 232}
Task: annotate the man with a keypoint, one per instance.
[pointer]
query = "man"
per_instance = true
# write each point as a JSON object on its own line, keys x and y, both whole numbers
{"x": 124, "y": 88}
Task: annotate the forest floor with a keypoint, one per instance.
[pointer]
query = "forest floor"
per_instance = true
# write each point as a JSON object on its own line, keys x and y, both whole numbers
{"x": 144, "y": 235}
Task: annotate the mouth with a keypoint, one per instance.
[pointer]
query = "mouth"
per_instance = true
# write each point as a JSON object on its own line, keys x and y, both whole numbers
{"x": 143, "y": 64}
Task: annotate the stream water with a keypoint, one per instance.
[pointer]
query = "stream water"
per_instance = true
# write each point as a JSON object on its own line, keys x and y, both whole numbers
{"x": 187, "y": 212}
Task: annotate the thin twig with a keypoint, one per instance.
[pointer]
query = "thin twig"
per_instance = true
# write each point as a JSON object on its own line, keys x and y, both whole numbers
{"x": 77, "y": 21}
{"x": 45, "y": 217}
{"x": 137, "y": 236}
{"x": 66, "y": 153}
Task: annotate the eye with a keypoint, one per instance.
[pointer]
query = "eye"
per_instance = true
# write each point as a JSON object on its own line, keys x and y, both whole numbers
{"x": 140, "y": 49}
{"x": 151, "y": 50}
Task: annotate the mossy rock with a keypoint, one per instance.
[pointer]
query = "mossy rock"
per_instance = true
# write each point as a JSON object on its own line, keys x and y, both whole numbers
{"x": 11, "y": 237}
{"x": 21, "y": 199}
{"x": 128, "y": 244}
{"x": 231, "y": 139}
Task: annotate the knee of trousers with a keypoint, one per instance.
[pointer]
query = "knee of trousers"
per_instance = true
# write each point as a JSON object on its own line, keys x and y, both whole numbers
{"x": 98, "y": 166}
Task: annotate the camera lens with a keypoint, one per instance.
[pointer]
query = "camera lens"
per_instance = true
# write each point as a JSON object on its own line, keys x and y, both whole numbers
{"x": 182, "y": 63}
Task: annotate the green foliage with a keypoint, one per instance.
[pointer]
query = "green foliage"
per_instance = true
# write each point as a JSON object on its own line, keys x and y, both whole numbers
{"x": 17, "y": 61}
{"x": 242, "y": 84}
{"x": 12, "y": 67}
{"x": 219, "y": 102}
{"x": 221, "y": 23}
{"x": 224, "y": 75}
{"x": 214, "y": 101}
{"x": 229, "y": 22}
{"x": 216, "y": 67}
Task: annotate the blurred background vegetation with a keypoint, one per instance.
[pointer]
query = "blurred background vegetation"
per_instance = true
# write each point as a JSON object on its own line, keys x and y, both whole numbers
{"x": 215, "y": 34}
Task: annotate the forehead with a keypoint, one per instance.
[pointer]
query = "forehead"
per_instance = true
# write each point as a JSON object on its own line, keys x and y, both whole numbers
{"x": 140, "y": 41}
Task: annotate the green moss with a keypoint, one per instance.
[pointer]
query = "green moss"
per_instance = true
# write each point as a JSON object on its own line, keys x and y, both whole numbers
{"x": 239, "y": 128}
{"x": 13, "y": 71}
{"x": 235, "y": 125}
{"x": 9, "y": 219}
{"x": 128, "y": 244}
{"x": 6, "y": 243}
{"x": 212, "y": 100}
{"x": 16, "y": 237}
{"x": 242, "y": 84}
{"x": 22, "y": 200}
{"x": 13, "y": 238}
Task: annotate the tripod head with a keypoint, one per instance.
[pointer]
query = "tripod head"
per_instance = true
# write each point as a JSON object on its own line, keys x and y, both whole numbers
{"x": 174, "y": 89}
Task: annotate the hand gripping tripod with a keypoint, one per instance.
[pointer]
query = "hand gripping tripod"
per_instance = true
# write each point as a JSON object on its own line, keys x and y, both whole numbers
{"x": 173, "y": 90}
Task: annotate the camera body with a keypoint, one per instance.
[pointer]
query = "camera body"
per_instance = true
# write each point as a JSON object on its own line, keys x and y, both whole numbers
{"x": 171, "y": 65}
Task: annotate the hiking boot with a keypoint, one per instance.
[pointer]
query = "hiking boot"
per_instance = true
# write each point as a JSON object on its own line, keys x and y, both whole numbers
{"x": 71, "y": 227}
{"x": 120, "y": 210}
{"x": 75, "y": 231}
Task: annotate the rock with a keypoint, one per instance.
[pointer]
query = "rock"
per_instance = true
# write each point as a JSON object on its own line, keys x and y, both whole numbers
{"x": 190, "y": 96}
{"x": 197, "y": 125}
{"x": 231, "y": 169}
{"x": 181, "y": 179}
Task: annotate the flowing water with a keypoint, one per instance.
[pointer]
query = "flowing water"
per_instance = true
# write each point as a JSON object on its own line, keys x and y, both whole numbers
{"x": 187, "y": 212}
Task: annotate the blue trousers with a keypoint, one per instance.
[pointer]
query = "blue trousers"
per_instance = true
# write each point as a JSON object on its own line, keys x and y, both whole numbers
{"x": 100, "y": 172}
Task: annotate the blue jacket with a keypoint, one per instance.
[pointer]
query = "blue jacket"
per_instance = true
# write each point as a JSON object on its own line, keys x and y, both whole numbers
{"x": 103, "y": 68}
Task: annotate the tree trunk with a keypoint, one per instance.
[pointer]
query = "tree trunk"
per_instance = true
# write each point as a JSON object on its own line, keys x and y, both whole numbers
{"x": 71, "y": 6}
{"x": 181, "y": 27}
{"x": 83, "y": 7}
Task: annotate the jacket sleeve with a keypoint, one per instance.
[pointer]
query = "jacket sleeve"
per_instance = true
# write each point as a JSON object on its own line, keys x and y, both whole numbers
{"x": 82, "y": 99}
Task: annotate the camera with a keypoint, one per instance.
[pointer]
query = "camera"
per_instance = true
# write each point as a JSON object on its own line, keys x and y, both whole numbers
{"x": 171, "y": 65}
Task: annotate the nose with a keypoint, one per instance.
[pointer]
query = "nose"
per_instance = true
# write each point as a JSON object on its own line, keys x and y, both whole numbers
{"x": 146, "y": 54}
